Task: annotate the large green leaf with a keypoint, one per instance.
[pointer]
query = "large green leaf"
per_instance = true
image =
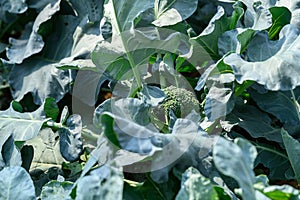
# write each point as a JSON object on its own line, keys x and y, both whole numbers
{"x": 219, "y": 24}
{"x": 254, "y": 121}
{"x": 31, "y": 42}
{"x": 40, "y": 78}
{"x": 275, "y": 160}
{"x": 122, "y": 13}
{"x": 293, "y": 150}
{"x": 195, "y": 186}
{"x": 56, "y": 190}
{"x": 23, "y": 126}
{"x": 170, "y": 12}
{"x": 68, "y": 45}
{"x": 15, "y": 183}
{"x": 240, "y": 166}
{"x": 279, "y": 104}
{"x": 103, "y": 183}
{"x": 272, "y": 63}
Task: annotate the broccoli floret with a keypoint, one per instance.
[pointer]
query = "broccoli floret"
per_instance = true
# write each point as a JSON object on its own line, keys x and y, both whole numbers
{"x": 180, "y": 101}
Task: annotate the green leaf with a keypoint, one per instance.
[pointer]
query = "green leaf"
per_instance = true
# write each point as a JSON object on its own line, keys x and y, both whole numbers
{"x": 257, "y": 123}
{"x": 284, "y": 192}
{"x": 31, "y": 42}
{"x": 281, "y": 16}
{"x": 56, "y": 190}
{"x": 51, "y": 109}
{"x": 209, "y": 37}
{"x": 218, "y": 25}
{"x": 275, "y": 160}
{"x": 272, "y": 63}
{"x": 122, "y": 13}
{"x": 239, "y": 166}
{"x": 235, "y": 41}
{"x": 278, "y": 104}
{"x": 23, "y": 126}
{"x": 293, "y": 150}
{"x": 15, "y": 183}
{"x": 170, "y": 12}
{"x": 195, "y": 186}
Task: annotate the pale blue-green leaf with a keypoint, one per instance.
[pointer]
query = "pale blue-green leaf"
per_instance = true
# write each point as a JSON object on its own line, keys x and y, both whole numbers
{"x": 84, "y": 33}
{"x": 141, "y": 44}
{"x": 219, "y": 102}
{"x": 279, "y": 72}
{"x": 48, "y": 80}
{"x": 10, "y": 155}
{"x": 239, "y": 166}
{"x": 23, "y": 126}
{"x": 152, "y": 95}
{"x": 92, "y": 8}
{"x": 122, "y": 13}
{"x": 195, "y": 186}
{"x": 31, "y": 42}
{"x": 132, "y": 136}
{"x": 170, "y": 12}
{"x": 15, "y": 183}
{"x": 131, "y": 109}
{"x": 103, "y": 183}
{"x": 262, "y": 48}
{"x": 293, "y": 150}
{"x": 235, "y": 41}
{"x": 40, "y": 78}
{"x": 14, "y": 6}
{"x": 56, "y": 190}
{"x": 70, "y": 140}
{"x": 64, "y": 115}
{"x": 257, "y": 16}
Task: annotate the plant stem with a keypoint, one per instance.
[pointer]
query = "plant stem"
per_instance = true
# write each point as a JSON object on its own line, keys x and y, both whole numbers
{"x": 243, "y": 87}
{"x": 129, "y": 57}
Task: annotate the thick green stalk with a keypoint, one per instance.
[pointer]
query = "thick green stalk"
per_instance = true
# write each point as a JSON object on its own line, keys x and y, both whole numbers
{"x": 129, "y": 57}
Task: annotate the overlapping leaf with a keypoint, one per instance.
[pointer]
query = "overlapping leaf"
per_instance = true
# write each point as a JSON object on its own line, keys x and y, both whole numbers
{"x": 276, "y": 70}
{"x": 31, "y": 42}
{"x": 170, "y": 12}
{"x": 23, "y": 126}
{"x": 15, "y": 183}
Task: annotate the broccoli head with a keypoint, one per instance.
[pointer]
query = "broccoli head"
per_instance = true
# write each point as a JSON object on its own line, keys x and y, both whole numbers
{"x": 180, "y": 101}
